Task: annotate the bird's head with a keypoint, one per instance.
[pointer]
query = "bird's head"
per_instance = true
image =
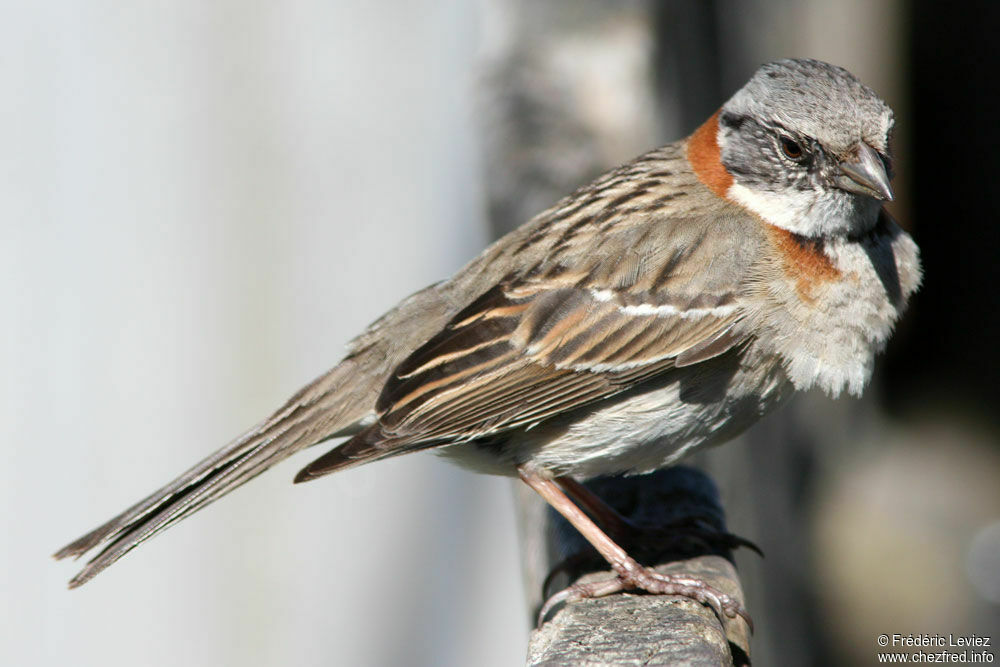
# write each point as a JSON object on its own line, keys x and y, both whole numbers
{"x": 805, "y": 145}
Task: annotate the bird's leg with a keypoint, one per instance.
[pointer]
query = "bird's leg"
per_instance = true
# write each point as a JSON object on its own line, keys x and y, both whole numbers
{"x": 631, "y": 575}
{"x": 677, "y": 536}
{"x": 616, "y": 525}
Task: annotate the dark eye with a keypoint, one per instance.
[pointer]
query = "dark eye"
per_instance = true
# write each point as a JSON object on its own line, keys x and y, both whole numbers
{"x": 791, "y": 148}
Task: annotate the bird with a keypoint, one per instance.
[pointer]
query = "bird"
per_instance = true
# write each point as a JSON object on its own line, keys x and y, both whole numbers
{"x": 662, "y": 308}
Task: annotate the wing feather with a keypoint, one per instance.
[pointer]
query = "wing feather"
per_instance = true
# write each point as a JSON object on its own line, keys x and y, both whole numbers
{"x": 528, "y": 355}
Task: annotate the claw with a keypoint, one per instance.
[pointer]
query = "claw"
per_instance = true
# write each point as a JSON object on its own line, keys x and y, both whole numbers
{"x": 650, "y": 581}
{"x": 565, "y": 595}
{"x": 576, "y": 592}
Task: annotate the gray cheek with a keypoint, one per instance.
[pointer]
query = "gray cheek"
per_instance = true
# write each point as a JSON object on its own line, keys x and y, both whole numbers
{"x": 755, "y": 165}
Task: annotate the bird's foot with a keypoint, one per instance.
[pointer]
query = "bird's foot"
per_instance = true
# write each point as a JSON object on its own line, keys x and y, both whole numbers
{"x": 633, "y": 576}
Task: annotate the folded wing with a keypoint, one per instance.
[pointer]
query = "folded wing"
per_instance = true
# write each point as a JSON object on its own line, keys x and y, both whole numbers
{"x": 548, "y": 343}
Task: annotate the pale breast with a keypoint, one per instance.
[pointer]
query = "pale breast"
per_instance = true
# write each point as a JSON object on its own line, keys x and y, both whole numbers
{"x": 829, "y": 314}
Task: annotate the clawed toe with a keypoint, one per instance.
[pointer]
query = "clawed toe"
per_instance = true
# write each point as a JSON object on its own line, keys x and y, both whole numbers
{"x": 723, "y": 605}
{"x": 650, "y": 581}
{"x": 576, "y": 592}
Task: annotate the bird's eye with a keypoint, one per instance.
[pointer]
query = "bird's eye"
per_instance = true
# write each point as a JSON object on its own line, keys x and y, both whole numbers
{"x": 791, "y": 148}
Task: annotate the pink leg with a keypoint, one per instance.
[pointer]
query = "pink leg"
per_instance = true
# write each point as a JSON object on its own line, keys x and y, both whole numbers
{"x": 631, "y": 575}
{"x": 606, "y": 516}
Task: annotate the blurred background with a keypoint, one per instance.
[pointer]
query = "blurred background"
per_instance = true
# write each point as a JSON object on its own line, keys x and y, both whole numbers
{"x": 202, "y": 202}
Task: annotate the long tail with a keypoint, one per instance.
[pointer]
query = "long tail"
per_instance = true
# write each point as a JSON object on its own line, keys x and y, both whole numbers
{"x": 314, "y": 414}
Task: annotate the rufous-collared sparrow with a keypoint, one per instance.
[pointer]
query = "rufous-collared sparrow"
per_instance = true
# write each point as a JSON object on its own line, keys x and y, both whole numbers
{"x": 666, "y": 306}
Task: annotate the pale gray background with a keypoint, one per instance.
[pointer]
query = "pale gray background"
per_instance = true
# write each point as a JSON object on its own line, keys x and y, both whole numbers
{"x": 201, "y": 203}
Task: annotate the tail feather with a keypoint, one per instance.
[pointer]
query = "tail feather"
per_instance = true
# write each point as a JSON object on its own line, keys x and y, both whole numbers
{"x": 369, "y": 445}
{"x": 308, "y": 418}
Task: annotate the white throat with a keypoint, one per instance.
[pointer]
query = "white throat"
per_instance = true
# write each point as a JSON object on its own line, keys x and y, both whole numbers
{"x": 808, "y": 213}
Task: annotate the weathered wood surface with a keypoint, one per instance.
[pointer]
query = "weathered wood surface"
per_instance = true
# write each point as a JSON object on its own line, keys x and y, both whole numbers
{"x": 629, "y": 629}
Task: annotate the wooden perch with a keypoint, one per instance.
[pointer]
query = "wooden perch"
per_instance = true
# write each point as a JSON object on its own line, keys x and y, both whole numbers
{"x": 635, "y": 628}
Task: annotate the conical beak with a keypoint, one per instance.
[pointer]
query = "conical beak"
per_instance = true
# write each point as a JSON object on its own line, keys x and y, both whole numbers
{"x": 864, "y": 173}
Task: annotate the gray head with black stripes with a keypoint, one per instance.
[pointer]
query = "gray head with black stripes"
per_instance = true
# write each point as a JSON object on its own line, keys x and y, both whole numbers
{"x": 807, "y": 145}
